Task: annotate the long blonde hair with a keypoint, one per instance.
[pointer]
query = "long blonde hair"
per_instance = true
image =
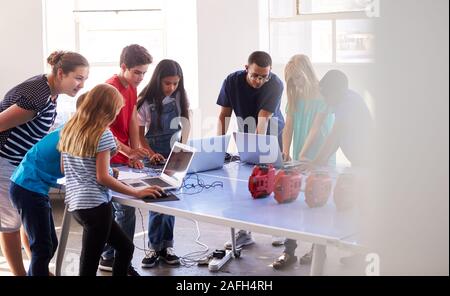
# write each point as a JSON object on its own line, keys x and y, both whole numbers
{"x": 301, "y": 81}
{"x": 81, "y": 135}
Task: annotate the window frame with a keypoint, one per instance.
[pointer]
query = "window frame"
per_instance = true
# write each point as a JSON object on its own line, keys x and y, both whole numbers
{"x": 329, "y": 16}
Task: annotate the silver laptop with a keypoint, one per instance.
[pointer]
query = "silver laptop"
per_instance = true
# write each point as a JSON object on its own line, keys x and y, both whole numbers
{"x": 175, "y": 169}
{"x": 209, "y": 153}
{"x": 258, "y": 149}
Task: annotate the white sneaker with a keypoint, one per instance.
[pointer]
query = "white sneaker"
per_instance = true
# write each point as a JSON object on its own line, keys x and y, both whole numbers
{"x": 277, "y": 241}
{"x": 243, "y": 238}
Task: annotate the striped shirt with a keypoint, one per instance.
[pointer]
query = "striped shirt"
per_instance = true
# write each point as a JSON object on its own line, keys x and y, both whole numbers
{"x": 34, "y": 95}
{"x": 82, "y": 189}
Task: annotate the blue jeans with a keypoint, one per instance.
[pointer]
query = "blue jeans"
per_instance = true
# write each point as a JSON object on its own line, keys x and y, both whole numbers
{"x": 160, "y": 231}
{"x": 36, "y": 214}
{"x": 125, "y": 216}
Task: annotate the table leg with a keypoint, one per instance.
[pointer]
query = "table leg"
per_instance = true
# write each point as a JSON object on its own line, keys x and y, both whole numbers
{"x": 65, "y": 229}
{"x": 233, "y": 241}
{"x": 318, "y": 261}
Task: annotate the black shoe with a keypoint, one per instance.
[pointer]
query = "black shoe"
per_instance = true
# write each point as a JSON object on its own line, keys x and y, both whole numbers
{"x": 150, "y": 260}
{"x": 132, "y": 272}
{"x": 106, "y": 264}
{"x": 169, "y": 256}
{"x": 284, "y": 261}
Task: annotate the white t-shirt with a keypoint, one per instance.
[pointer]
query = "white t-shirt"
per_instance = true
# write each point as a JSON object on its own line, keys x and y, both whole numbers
{"x": 144, "y": 113}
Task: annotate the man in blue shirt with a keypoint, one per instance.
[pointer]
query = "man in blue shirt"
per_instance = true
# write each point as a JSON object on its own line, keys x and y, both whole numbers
{"x": 254, "y": 95}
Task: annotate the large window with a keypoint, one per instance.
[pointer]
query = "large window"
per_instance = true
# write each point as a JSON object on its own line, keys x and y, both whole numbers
{"x": 100, "y": 29}
{"x": 103, "y": 31}
{"x": 329, "y": 31}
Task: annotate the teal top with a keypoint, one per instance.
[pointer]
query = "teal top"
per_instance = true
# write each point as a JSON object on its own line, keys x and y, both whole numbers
{"x": 303, "y": 119}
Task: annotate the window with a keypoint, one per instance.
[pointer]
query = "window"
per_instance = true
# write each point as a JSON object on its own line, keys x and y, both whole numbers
{"x": 328, "y": 31}
{"x": 103, "y": 33}
{"x": 100, "y": 29}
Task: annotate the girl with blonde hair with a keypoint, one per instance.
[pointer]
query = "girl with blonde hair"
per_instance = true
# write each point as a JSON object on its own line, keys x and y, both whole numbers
{"x": 308, "y": 122}
{"x": 86, "y": 146}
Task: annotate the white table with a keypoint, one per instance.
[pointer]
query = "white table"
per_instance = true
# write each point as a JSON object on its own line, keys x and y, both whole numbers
{"x": 233, "y": 206}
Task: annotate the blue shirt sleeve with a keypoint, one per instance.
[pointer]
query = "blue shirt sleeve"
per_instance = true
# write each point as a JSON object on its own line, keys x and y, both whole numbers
{"x": 224, "y": 95}
{"x": 271, "y": 97}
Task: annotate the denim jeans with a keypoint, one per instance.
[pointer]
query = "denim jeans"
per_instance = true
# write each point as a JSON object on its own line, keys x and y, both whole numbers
{"x": 36, "y": 214}
{"x": 160, "y": 231}
{"x": 125, "y": 216}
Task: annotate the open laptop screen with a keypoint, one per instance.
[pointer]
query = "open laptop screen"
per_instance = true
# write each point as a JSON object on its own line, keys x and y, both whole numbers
{"x": 178, "y": 162}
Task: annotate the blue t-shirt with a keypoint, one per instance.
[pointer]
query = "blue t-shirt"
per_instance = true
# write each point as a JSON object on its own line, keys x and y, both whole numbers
{"x": 40, "y": 168}
{"x": 247, "y": 101}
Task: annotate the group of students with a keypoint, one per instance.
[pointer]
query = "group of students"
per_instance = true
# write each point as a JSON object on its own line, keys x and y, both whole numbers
{"x": 321, "y": 117}
{"x": 111, "y": 127}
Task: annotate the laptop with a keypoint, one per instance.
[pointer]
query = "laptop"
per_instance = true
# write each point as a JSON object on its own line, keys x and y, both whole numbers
{"x": 209, "y": 153}
{"x": 173, "y": 173}
{"x": 258, "y": 149}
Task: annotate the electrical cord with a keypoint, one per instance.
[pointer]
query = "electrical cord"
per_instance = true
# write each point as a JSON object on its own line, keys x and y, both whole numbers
{"x": 187, "y": 260}
{"x": 198, "y": 184}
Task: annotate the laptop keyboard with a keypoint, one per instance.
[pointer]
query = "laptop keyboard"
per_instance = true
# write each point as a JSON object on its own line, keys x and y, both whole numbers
{"x": 157, "y": 182}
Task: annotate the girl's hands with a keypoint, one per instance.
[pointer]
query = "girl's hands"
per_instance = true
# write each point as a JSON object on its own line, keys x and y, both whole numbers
{"x": 151, "y": 191}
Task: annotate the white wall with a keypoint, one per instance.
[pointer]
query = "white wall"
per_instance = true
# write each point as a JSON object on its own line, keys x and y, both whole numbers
{"x": 22, "y": 42}
{"x": 181, "y": 25}
{"x": 228, "y": 31}
{"x": 407, "y": 214}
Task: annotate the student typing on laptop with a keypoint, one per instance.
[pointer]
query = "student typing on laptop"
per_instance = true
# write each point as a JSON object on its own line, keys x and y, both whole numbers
{"x": 254, "y": 95}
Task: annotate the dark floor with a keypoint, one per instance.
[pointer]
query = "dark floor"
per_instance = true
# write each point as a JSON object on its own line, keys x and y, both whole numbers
{"x": 255, "y": 260}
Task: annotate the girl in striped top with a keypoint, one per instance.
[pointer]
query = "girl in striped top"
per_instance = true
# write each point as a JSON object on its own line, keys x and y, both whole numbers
{"x": 26, "y": 114}
{"x": 86, "y": 145}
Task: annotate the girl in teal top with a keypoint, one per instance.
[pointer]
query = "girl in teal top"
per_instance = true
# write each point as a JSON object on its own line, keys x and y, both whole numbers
{"x": 311, "y": 123}
{"x": 308, "y": 122}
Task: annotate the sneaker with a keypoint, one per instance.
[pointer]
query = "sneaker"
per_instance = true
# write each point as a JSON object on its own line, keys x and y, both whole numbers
{"x": 106, "y": 264}
{"x": 132, "y": 272}
{"x": 150, "y": 259}
{"x": 277, "y": 241}
{"x": 307, "y": 258}
{"x": 284, "y": 261}
{"x": 168, "y": 255}
{"x": 243, "y": 238}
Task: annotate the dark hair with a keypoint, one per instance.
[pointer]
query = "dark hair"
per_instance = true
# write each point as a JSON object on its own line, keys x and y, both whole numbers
{"x": 334, "y": 83}
{"x": 135, "y": 55}
{"x": 66, "y": 60}
{"x": 260, "y": 58}
{"x": 153, "y": 94}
